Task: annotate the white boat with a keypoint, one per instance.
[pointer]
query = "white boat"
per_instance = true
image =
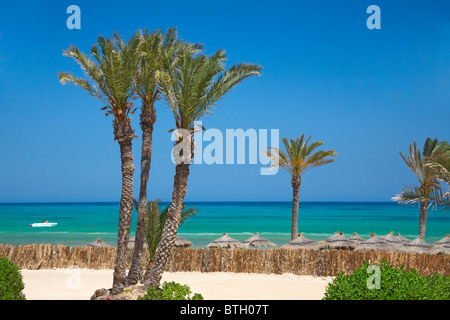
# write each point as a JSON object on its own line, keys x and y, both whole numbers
{"x": 43, "y": 224}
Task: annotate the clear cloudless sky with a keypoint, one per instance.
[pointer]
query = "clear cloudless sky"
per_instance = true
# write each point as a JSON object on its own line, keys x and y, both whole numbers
{"x": 366, "y": 93}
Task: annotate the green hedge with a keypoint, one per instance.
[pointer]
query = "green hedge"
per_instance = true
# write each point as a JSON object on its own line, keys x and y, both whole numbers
{"x": 385, "y": 282}
{"x": 11, "y": 283}
{"x": 170, "y": 291}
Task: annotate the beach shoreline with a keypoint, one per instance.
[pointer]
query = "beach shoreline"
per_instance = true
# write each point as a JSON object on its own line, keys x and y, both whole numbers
{"x": 80, "y": 284}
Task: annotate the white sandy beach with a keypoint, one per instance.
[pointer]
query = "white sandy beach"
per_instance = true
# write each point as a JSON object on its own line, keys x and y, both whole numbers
{"x": 80, "y": 284}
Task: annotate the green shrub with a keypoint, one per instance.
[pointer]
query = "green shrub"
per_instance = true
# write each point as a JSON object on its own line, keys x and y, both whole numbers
{"x": 170, "y": 291}
{"x": 11, "y": 284}
{"x": 394, "y": 284}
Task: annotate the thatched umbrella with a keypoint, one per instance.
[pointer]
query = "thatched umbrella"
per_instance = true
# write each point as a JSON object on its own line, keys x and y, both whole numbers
{"x": 401, "y": 238}
{"x": 226, "y": 242}
{"x": 257, "y": 241}
{"x": 417, "y": 245}
{"x": 356, "y": 238}
{"x": 338, "y": 242}
{"x": 182, "y": 242}
{"x": 440, "y": 249}
{"x": 393, "y": 243}
{"x": 300, "y": 242}
{"x": 98, "y": 243}
{"x": 390, "y": 238}
{"x": 132, "y": 241}
{"x": 443, "y": 241}
{"x": 373, "y": 244}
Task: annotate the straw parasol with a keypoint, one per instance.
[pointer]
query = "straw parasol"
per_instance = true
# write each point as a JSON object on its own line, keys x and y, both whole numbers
{"x": 373, "y": 244}
{"x": 300, "y": 242}
{"x": 417, "y": 245}
{"x": 338, "y": 241}
{"x": 182, "y": 242}
{"x": 257, "y": 241}
{"x": 356, "y": 238}
{"x": 393, "y": 243}
{"x": 440, "y": 249}
{"x": 98, "y": 243}
{"x": 390, "y": 238}
{"x": 401, "y": 238}
{"x": 226, "y": 242}
{"x": 443, "y": 241}
{"x": 132, "y": 241}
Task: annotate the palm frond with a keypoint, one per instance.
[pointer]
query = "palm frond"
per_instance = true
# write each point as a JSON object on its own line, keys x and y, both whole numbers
{"x": 109, "y": 77}
{"x": 299, "y": 159}
{"x": 195, "y": 82}
{"x": 415, "y": 194}
{"x": 439, "y": 162}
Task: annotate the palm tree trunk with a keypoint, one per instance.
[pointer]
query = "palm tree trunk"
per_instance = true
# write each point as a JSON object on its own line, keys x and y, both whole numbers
{"x": 171, "y": 226}
{"x": 295, "y": 182}
{"x": 148, "y": 119}
{"x": 124, "y": 134}
{"x": 423, "y": 218}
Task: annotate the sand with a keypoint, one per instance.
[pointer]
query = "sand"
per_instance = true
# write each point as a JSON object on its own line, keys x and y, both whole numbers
{"x": 80, "y": 284}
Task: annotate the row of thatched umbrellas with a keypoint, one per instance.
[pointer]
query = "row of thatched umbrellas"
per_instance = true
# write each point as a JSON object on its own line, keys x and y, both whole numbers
{"x": 389, "y": 242}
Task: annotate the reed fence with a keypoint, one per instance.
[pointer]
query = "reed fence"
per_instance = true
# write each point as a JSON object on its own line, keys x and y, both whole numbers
{"x": 266, "y": 261}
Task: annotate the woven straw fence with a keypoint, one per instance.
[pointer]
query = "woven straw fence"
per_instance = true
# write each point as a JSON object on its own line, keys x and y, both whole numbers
{"x": 275, "y": 261}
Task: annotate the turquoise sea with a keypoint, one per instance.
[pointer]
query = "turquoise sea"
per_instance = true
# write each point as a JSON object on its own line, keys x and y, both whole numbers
{"x": 81, "y": 223}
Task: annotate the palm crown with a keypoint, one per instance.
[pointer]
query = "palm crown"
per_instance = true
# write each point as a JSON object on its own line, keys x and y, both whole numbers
{"x": 158, "y": 51}
{"x": 439, "y": 162}
{"x": 195, "y": 83}
{"x": 299, "y": 158}
{"x": 110, "y": 75}
{"x": 415, "y": 162}
{"x": 429, "y": 166}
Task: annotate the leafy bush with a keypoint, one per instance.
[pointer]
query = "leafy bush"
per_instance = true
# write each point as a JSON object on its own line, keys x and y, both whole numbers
{"x": 11, "y": 283}
{"x": 170, "y": 291}
{"x": 394, "y": 284}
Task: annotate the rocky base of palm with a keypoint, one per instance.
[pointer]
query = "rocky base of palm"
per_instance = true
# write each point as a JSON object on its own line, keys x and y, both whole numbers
{"x": 129, "y": 293}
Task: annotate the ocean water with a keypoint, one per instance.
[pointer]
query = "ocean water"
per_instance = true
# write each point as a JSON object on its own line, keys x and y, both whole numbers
{"x": 81, "y": 223}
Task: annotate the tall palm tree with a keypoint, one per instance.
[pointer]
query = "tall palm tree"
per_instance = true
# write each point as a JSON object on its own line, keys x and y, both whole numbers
{"x": 298, "y": 161}
{"x": 429, "y": 189}
{"x": 157, "y": 50}
{"x": 191, "y": 88}
{"x": 109, "y": 79}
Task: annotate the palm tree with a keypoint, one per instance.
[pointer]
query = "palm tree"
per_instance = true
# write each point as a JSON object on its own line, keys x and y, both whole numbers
{"x": 298, "y": 161}
{"x": 157, "y": 50}
{"x": 429, "y": 188}
{"x": 191, "y": 88}
{"x": 109, "y": 79}
{"x": 439, "y": 163}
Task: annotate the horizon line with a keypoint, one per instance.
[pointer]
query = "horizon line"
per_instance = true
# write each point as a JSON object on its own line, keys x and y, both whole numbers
{"x": 205, "y": 201}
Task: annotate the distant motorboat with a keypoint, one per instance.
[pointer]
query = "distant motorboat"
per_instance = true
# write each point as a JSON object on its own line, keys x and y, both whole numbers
{"x": 43, "y": 224}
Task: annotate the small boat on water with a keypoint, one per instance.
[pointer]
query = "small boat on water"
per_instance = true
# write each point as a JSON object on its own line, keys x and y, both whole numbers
{"x": 43, "y": 224}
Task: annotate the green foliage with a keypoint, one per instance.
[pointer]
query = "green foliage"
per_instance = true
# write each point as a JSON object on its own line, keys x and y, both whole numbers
{"x": 109, "y": 74}
{"x": 299, "y": 157}
{"x": 11, "y": 284}
{"x": 428, "y": 168}
{"x": 170, "y": 291}
{"x": 155, "y": 218}
{"x": 194, "y": 83}
{"x": 395, "y": 284}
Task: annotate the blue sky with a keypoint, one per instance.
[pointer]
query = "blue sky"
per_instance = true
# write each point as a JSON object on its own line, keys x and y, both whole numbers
{"x": 366, "y": 93}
